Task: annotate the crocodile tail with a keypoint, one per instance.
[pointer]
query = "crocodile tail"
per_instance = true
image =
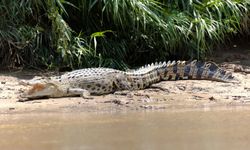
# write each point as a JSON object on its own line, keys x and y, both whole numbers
{"x": 207, "y": 71}
{"x": 174, "y": 70}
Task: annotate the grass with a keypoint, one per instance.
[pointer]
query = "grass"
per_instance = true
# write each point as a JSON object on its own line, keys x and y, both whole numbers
{"x": 115, "y": 33}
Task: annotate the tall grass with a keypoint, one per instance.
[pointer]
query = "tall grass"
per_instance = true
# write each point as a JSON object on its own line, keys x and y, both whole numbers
{"x": 115, "y": 33}
{"x": 149, "y": 30}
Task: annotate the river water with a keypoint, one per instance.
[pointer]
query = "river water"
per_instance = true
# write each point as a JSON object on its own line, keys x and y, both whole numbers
{"x": 181, "y": 130}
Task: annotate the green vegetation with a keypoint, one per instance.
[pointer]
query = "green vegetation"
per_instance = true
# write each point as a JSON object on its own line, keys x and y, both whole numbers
{"x": 115, "y": 33}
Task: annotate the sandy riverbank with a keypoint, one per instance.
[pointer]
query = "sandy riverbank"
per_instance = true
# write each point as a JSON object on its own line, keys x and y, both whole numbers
{"x": 167, "y": 95}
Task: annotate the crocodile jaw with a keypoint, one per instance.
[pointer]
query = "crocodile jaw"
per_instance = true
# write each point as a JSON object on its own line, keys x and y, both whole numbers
{"x": 43, "y": 90}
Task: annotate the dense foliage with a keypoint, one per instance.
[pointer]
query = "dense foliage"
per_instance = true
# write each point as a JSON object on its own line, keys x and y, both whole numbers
{"x": 115, "y": 33}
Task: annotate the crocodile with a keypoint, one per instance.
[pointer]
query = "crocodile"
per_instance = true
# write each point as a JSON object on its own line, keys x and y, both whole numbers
{"x": 99, "y": 81}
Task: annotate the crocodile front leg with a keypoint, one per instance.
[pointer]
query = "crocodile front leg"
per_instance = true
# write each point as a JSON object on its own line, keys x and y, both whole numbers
{"x": 78, "y": 91}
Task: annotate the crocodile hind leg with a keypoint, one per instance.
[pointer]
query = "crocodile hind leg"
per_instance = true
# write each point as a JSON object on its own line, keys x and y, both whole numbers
{"x": 78, "y": 91}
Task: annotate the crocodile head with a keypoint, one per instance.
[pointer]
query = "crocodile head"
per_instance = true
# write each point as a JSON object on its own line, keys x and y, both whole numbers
{"x": 40, "y": 90}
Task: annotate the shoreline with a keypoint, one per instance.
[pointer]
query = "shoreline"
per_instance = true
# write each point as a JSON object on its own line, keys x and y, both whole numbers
{"x": 182, "y": 95}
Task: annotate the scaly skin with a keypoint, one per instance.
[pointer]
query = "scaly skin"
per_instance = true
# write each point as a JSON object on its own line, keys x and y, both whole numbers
{"x": 98, "y": 81}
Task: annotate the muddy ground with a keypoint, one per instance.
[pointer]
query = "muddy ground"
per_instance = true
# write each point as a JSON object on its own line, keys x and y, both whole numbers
{"x": 166, "y": 95}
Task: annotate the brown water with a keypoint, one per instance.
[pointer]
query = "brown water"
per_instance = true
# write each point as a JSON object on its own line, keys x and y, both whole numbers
{"x": 197, "y": 130}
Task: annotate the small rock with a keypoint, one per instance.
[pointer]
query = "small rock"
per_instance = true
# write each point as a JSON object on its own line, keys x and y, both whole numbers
{"x": 10, "y": 88}
{"x": 12, "y": 108}
{"x": 146, "y": 106}
{"x": 237, "y": 97}
{"x": 246, "y": 88}
{"x": 181, "y": 87}
{"x": 196, "y": 97}
{"x": 118, "y": 102}
{"x": 3, "y": 82}
{"x": 212, "y": 98}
